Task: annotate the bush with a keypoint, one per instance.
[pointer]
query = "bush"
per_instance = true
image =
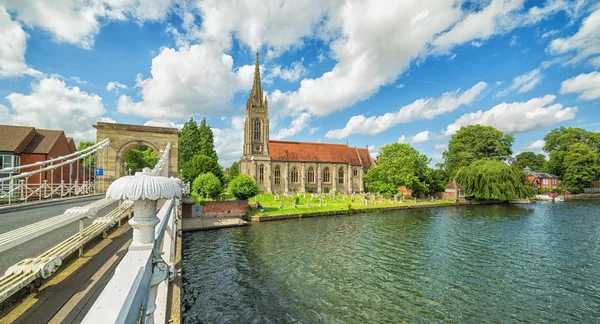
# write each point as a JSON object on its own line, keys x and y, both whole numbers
{"x": 243, "y": 187}
{"x": 207, "y": 185}
{"x": 200, "y": 164}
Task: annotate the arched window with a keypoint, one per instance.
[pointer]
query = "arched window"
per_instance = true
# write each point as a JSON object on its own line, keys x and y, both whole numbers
{"x": 277, "y": 174}
{"x": 257, "y": 129}
{"x": 355, "y": 172}
{"x": 326, "y": 176}
{"x": 261, "y": 173}
{"x": 341, "y": 176}
{"x": 311, "y": 175}
{"x": 294, "y": 175}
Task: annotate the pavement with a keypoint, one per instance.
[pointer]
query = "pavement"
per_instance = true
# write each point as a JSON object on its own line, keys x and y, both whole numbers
{"x": 206, "y": 223}
{"x": 14, "y": 218}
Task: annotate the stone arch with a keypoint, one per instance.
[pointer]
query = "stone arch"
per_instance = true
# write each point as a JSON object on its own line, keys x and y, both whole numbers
{"x": 123, "y": 137}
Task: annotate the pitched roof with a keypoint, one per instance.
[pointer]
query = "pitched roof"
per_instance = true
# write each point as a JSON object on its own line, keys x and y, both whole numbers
{"x": 43, "y": 141}
{"x": 13, "y": 138}
{"x": 539, "y": 175}
{"x": 454, "y": 185}
{"x": 71, "y": 143}
{"x": 319, "y": 152}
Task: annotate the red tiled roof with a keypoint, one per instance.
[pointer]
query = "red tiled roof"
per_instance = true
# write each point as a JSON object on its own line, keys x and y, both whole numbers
{"x": 454, "y": 185}
{"x": 318, "y": 152}
{"x": 43, "y": 141}
{"x": 14, "y": 138}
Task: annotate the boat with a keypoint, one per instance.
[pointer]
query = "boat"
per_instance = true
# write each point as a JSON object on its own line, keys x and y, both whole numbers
{"x": 559, "y": 199}
{"x": 544, "y": 197}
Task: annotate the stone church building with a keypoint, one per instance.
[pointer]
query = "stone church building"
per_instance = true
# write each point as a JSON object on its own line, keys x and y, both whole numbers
{"x": 282, "y": 166}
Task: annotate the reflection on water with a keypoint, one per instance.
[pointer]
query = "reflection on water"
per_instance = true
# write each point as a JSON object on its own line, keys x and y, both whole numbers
{"x": 536, "y": 263}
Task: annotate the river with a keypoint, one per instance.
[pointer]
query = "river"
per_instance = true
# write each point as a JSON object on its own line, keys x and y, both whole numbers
{"x": 529, "y": 263}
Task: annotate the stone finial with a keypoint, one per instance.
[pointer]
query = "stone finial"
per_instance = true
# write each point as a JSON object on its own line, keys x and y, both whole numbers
{"x": 144, "y": 185}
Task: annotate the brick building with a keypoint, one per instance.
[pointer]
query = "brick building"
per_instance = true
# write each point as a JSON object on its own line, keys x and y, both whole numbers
{"x": 282, "y": 166}
{"x": 541, "y": 180}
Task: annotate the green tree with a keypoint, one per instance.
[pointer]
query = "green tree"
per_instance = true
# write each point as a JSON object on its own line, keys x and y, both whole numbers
{"x": 189, "y": 141}
{"x": 581, "y": 166}
{"x": 558, "y": 143}
{"x": 475, "y": 142}
{"x": 234, "y": 170}
{"x": 400, "y": 165}
{"x": 243, "y": 187}
{"x": 207, "y": 144}
{"x": 140, "y": 157}
{"x": 200, "y": 164}
{"x": 439, "y": 179}
{"x": 207, "y": 185}
{"x": 536, "y": 162}
{"x": 89, "y": 161}
{"x": 493, "y": 180}
{"x": 376, "y": 181}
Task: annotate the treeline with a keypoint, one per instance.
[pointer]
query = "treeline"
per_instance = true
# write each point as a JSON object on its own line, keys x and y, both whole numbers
{"x": 480, "y": 158}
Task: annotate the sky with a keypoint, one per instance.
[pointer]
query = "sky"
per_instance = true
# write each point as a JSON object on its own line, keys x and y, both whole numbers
{"x": 366, "y": 73}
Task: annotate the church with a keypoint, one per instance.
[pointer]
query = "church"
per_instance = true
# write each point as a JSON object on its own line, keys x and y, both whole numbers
{"x": 285, "y": 167}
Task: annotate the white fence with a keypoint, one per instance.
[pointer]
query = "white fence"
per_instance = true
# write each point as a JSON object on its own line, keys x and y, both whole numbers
{"x": 591, "y": 190}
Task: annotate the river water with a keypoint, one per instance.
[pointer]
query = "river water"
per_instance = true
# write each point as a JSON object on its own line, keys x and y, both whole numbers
{"x": 530, "y": 263}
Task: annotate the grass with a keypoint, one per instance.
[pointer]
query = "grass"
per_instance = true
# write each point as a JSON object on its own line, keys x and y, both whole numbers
{"x": 329, "y": 203}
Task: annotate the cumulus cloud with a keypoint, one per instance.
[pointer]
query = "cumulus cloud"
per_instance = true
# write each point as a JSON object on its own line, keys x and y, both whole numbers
{"x": 517, "y": 117}
{"x": 536, "y": 145}
{"x": 583, "y": 45}
{"x": 296, "y": 126}
{"x": 293, "y": 74}
{"x": 523, "y": 83}
{"x": 163, "y": 124}
{"x": 587, "y": 85}
{"x": 115, "y": 86}
{"x": 13, "y": 43}
{"x": 421, "y": 137}
{"x": 425, "y": 108}
{"x": 52, "y": 104}
{"x": 441, "y": 147}
{"x": 228, "y": 141}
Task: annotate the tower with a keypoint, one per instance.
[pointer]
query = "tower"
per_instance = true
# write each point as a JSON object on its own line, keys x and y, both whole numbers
{"x": 256, "y": 127}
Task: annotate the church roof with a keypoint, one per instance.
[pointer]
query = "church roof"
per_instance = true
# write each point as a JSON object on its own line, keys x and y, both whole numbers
{"x": 319, "y": 152}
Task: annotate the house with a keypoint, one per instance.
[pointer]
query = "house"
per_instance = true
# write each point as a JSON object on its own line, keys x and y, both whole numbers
{"x": 541, "y": 180}
{"x": 454, "y": 191}
{"x": 403, "y": 191}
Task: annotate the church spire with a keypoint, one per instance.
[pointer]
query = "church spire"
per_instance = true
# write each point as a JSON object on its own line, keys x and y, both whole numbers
{"x": 256, "y": 94}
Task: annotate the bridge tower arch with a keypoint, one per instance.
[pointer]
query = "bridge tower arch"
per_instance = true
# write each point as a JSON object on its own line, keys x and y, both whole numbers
{"x": 124, "y": 137}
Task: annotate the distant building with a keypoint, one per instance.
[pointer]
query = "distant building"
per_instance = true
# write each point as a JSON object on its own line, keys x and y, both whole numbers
{"x": 281, "y": 166}
{"x": 541, "y": 180}
{"x": 454, "y": 190}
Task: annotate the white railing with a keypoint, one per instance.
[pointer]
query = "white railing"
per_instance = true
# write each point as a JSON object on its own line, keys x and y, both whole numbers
{"x": 138, "y": 291}
{"x": 16, "y": 187}
{"x": 591, "y": 190}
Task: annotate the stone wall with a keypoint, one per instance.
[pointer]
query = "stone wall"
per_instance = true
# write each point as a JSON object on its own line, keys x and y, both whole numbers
{"x": 225, "y": 208}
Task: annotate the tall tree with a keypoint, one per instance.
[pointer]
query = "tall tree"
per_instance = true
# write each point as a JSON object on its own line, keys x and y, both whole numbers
{"x": 189, "y": 142}
{"x": 140, "y": 157}
{"x": 207, "y": 143}
{"x": 89, "y": 161}
{"x": 536, "y": 162}
{"x": 200, "y": 164}
{"x": 493, "y": 180}
{"x": 234, "y": 170}
{"x": 476, "y": 142}
{"x": 581, "y": 167}
{"x": 559, "y": 141}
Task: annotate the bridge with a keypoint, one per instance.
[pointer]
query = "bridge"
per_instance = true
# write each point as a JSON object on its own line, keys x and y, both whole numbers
{"x": 46, "y": 226}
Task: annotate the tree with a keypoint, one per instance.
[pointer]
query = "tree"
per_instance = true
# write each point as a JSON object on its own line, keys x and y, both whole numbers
{"x": 140, "y": 157}
{"x": 189, "y": 141}
{"x": 234, "y": 170}
{"x": 475, "y": 142}
{"x": 200, "y": 164}
{"x": 536, "y": 162}
{"x": 243, "y": 187}
{"x": 558, "y": 143}
{"x": 207, "y": 185}
{"x": 439, "y": 179}
{"x": 89, "y": 161}
{"x": 207, "y": 144}
{"x": 399, "y": 165}
{"x": 493, "y": 180}
{"x": 581, "y": 167}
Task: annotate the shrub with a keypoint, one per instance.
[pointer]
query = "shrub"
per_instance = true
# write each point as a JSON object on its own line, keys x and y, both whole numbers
{"x": 542, "y": 191}
{"x": 207, "y": 185}
{"x": 243, "y": 187}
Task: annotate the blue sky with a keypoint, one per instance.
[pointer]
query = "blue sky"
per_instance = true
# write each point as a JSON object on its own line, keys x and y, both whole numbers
{"x": 364, "y": 72}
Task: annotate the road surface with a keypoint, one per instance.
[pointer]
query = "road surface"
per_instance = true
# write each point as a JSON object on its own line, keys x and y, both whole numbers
{"x": 22, "y": 216}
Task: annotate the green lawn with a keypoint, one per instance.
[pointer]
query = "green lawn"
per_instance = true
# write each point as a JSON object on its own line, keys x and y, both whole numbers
{"x": 272, "y": 205}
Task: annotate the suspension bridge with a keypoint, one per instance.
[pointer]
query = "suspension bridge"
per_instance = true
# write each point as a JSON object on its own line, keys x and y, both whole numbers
{"x": 102, "y": 247}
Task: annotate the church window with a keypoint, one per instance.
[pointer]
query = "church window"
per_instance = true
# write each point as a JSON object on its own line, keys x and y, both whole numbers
{"x": 326, "y": 176}
{"x": 257, "y": 129}
{"x": 277, "y": 175}
{"x": 341, "y": 176}
{"x": 355, "y": 172}
{"x": 311, "y": 175}
{"x": 261, "y": 173}
{"x": 295, "y": 175}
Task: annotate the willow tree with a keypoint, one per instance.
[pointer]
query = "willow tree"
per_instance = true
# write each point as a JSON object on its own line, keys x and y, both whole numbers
{"x": 493, "y": 180}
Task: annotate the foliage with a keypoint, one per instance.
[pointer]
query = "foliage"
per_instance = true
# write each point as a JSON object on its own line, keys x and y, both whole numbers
{"x": 558, "y": 143}
{"x": 475, "y": 142}
{"x": 207, "y": 185}
{"x": 536, "y": 162}
{"x": 140, "y": 157}
{"x": 399, "y": 165}
{"x": 200, "y": 164}
{"x": 234, "y": 170}
{"x": 493, "y": 180}
{"x": 439, "y": 180}
{"x": 243, "y": 187}
{"x": 207, "y": 143}
{"x": 189, "y": 142}
{"x": 89, "y": 161}
{"x": 581, "y": 166}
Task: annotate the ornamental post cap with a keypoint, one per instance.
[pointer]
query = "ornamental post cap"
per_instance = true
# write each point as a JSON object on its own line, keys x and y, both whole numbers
{"x": 144, "y": 185}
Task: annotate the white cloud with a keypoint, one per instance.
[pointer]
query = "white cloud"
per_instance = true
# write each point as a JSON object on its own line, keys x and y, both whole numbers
{"x": 441, "y": 147}
{"x": 296, "y": 126}
{"x": 536, "y": 145}
{"x": 163, "y": 124}
{"x": 107, "y": 120}
{"x": 421, "y": 137}
{"x": 514, "y": 41}
{"x": 115, "y": 85}
{"x": 400, "y": 86}
{"x": 550, "y": 33}
{"x": 523, "y": 83}
{"x": 427, "y": 108}
{"x": 584, "y": 44}
{"x": 373, "y": 150}
{"x": 190, "y": 80}
{"x": 54, "y": 105}
{"x": 292, "y": 74}
{"x": 229, "y": 141}
{"x": 517, "y": 117}
{"x": 402, "y": 139}
{"x": 13, "y": 43}
{"x": 587, "y": 85}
